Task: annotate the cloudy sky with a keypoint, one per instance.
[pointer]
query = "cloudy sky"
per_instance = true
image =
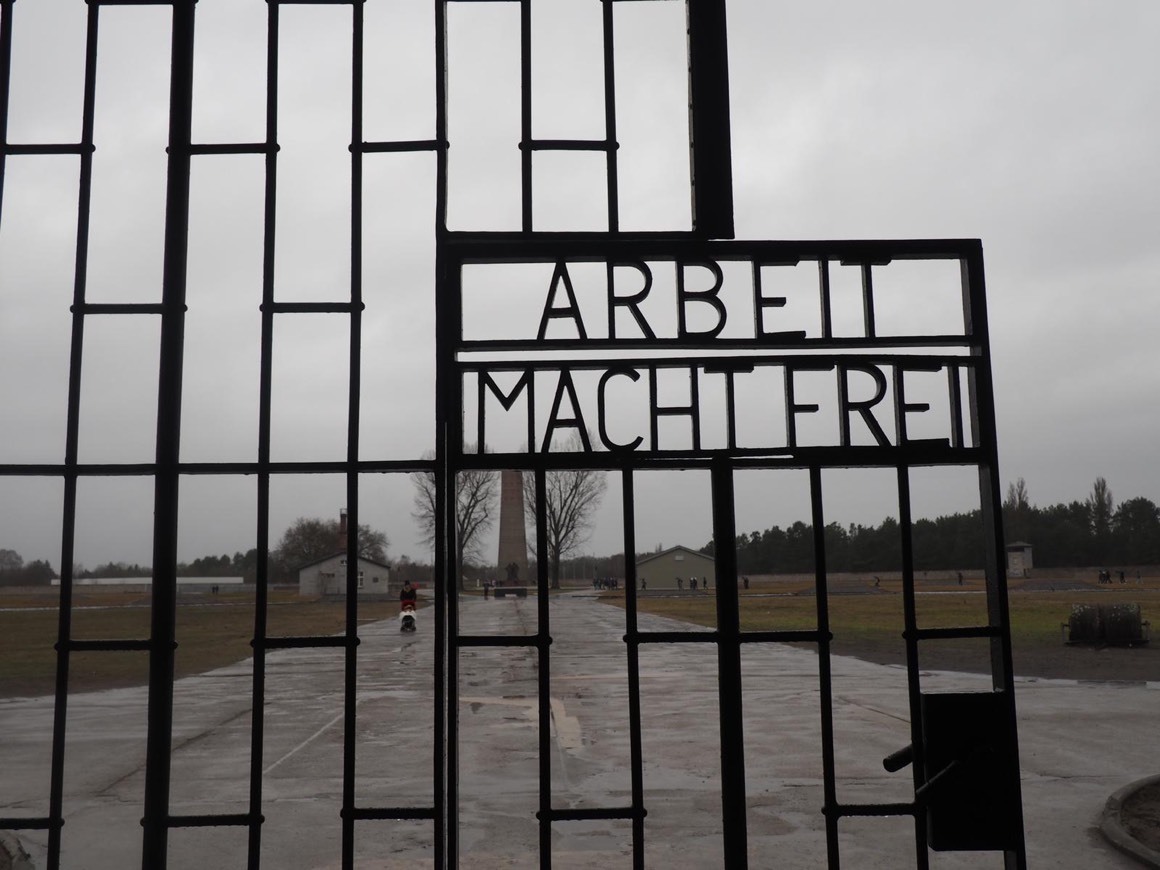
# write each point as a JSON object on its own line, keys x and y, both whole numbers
{"x": 1029, "y": 125}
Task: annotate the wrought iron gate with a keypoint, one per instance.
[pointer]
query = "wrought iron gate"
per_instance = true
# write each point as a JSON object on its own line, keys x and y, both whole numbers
{"x": 716, "y": 337}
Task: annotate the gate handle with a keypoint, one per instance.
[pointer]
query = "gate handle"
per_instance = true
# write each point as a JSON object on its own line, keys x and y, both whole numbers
{"x": 897, "y": 760}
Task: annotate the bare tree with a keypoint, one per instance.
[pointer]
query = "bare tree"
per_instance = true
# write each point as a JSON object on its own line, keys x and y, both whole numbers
{"x": 475, "y": 500}
{"x": 572, "y": 496}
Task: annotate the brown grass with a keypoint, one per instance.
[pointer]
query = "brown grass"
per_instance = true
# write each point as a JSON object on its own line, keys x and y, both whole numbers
{"x": 869, "y": 626}
{"x": 211, "y": 633}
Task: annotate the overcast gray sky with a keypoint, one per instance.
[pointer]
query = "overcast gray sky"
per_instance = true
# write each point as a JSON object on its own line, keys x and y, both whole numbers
{"x": 1030, "y": 125}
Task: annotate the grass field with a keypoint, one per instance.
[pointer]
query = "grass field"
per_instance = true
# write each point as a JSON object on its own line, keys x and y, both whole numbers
{"x": 211, "y": 633}
{"x": 869, "y": 625}
{"x": 866, "y": 623}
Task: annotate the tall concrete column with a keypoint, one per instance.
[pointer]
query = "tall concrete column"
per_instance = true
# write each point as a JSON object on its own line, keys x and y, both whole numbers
{"x": 512, "y": 561}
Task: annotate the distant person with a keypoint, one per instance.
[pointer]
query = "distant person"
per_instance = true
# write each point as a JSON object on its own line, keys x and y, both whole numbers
{"x": 693, "y": 583}
{"x": 643, "y": 584}
{"x": 960, "y": 578}
{"x": 1122, "y": 580}
{"x": 745, "y": 581}
{"x": 407, "y": 594}
{"x": 680, "y": 584}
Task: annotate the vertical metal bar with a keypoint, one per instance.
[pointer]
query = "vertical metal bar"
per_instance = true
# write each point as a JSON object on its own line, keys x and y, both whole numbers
{"x": 733, "y": 822}
{"x": 635, "y": 750}
{"x": 613, "y": 179}
{"x": 711, "y": 159}
{"x": 5, "y": 85}
{"x": 544, "y": 675}
{"x": 354, "y": 380}
{"x": 449, "y": 440}
{"x": 868, "y": 300}
{"x": 982, "y": 402}
{"x": 955, "y": 391}
{"x": 72, "y": 432}
{"x": 824, "y": 291}
{"x": 825, "y": 680}
{"x": 164, "y": 606}
{"x": 440, "y": 118}
{"x": 443, "y": 761}
{"x": 910, "y": 621}
{"x": 526, "y": 114}
{"x": 265, "y": 380}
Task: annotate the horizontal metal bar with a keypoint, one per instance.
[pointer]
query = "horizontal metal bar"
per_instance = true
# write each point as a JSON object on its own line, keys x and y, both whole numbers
{"x": 569, "y": 145}
{"x": 108, "y": 645}
{"x": 11, "y": 148}
{"x": 672, "y": 637}
{"x": 119, "y": 308}
{"x": 314, "y": 2}
{"x": 738, "y": 363}
{"x": 845, "y": 810}
{"x": 399, "y": 145}
{"x": 755, "y": 457}
{"x": 235, "y": 148}
{"x": 305, "y": 642}
{"x": 365, "y": 814}
{"x": 952, "y": 633}
{"x": 30, "y": 824}
{"x": 136, "y": 469}
{"x": 556, "y": 815}
{"x": 508, "y": 247}
{"x": 223, "y": 820}
{"x": 785, "y": 636}
{"x": 772, "y": 342}
{"x": 313, "y": 307}
{"x": 470, "y": 640}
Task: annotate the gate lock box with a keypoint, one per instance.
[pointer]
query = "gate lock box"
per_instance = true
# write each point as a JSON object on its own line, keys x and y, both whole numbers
{"x": 971, "y": 787}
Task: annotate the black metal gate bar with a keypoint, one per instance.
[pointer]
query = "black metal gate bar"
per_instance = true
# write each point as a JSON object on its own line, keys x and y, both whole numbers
{"x": 910, "y": 625}
{"x": 982, "y": 409}
{"x": 265, "y": 381}
{"x": 611, "y": 171}
{"x": 729, "y": 689}
{"x": 72, "y": 430}
{"x": 164, "y": 592}
{"x": 709, "y": 129}
{"x": 543, "y": 673}
{"x": 825, "y": 680}
{"x": 632, "y": 651}
{"x": 354, "y": 381}
{"x": 526, "y": 224}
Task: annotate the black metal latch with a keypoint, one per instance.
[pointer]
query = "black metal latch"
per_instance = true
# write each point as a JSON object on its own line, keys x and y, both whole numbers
{"x": 970, "y": 783}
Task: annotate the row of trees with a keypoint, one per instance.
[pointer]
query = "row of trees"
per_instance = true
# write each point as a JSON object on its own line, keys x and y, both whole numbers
{"x": 15, "y": 572}
{"x": 306, "y": 540}
{"x": 1093, "y": 532}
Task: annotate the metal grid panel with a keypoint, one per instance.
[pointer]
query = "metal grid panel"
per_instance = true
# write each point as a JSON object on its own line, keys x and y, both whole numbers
{"x": 712, "y": 218}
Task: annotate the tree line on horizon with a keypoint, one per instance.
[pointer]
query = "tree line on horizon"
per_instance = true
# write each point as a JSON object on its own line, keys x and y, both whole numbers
{"x": 1094, "y": 532}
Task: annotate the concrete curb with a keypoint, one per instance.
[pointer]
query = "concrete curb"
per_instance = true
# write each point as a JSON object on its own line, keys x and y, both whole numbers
{"x": 1117, "y": 834}
{"x": 12, "y": 854}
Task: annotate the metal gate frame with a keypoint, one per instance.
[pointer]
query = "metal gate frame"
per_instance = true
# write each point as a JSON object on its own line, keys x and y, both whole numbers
{"x": 712, "y": 218}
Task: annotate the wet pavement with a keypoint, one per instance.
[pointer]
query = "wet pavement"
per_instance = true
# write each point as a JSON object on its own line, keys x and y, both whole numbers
{"x": 1079, "y": 743}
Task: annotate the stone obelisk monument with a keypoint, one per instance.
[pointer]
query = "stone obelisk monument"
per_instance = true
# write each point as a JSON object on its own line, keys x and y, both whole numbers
{"x": 512, "y": 562}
